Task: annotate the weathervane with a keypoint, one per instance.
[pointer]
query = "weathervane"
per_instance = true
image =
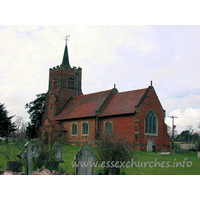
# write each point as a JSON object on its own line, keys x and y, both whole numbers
{"x": 66, "y": 38}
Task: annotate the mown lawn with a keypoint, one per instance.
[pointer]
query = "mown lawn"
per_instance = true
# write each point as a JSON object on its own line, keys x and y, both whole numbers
{"x": 147, "y": 164}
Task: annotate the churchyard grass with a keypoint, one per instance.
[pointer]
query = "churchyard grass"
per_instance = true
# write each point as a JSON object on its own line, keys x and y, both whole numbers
{"x": 9, "y": 153}
{"x": 68, "y": 153}
{"x": 142, "y": 157}
{"x": 192, "y": 167}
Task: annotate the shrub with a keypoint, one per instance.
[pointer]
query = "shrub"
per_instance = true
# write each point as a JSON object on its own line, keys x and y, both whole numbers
{"x": 113, "y": 150}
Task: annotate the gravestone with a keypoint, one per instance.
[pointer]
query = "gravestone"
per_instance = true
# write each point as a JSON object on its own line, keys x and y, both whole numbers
{"x": 198, "y": 154}
{"x": 42, "y": 172}
{"x": 13, "y": 166}
{"x": 188, "y": 146}
{"x": 164, "y": 153}
{"x": 84, "y": 161}
{"x": 57, "y": 150}
{"x": 29, "y": 154}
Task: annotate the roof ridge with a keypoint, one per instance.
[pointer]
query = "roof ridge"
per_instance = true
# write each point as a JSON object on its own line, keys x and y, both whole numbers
{"x": 132, "y": 90}
{"x": 92, "y": 93}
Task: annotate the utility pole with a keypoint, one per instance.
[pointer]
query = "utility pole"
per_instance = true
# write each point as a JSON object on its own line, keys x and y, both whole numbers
{"x": 173, "y": 127}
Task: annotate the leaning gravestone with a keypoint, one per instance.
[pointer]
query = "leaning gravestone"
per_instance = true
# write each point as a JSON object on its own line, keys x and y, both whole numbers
{"x": 13, "y": 166}
{"x": 29, "y": 154}
{"x": 84, "y": 161}
{"x": 57, "y": 150}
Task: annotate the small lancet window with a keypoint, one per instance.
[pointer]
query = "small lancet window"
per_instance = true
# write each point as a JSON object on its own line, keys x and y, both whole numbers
{"x": 108, "y": 128}
{"x": 74, "y": 129}
{"x": 71, "y": 83}
{"x": 84, "y": 128}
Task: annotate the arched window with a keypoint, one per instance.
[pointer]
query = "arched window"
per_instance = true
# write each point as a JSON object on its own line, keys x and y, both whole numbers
{"x": 108, "y": 128}
{"x": 55, "y": 83}
{"x": 151, "y": 123}
{"x": 84, "y": 128}
{"x": 74, "y": 129}
{"x": 71, "y": 83}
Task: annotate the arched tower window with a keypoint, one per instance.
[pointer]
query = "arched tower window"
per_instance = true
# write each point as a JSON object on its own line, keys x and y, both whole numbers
{"x": 151, "y": 123}
{"x": 71, "y": 83}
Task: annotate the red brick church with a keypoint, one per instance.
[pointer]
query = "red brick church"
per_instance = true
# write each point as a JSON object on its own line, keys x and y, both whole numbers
{"x": 135, "y": 115}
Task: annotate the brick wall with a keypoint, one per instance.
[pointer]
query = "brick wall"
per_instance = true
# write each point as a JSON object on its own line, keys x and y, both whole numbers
{"x": 123, "y": 127}
{"x": 130, "y": 128}
{"x": 161, "y": 140}
{"x": 79, "y": 138}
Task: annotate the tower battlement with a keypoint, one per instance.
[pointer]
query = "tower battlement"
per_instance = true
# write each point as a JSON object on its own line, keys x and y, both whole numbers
{"x": 58, "y": 67}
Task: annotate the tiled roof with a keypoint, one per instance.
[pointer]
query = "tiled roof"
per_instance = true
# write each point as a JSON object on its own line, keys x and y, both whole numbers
{"x": 123, "y": 103}
{"x": 83, "y": 106}
{"x": 86, "y": 105}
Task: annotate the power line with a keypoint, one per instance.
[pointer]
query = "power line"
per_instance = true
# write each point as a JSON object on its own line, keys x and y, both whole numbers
{"x": 173, "y": 127}
{"x": 190, "y": 117}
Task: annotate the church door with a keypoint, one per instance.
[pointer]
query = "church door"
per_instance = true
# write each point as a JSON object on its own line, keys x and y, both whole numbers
{"x": 149, "y": 145}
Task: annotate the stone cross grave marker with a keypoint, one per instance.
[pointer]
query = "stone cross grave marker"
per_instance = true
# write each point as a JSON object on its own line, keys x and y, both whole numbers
{"x": 57, "y": 150}
{"x": 29, "y": 154}
{"x": 84, "y": 161}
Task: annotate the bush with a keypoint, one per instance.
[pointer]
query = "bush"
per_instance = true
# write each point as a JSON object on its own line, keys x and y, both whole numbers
{"x": 47, "y": 160}
{"x": 113, "y": 150}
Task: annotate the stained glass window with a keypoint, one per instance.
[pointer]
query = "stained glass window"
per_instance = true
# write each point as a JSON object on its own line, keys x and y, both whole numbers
{"x": 150, "y": 123}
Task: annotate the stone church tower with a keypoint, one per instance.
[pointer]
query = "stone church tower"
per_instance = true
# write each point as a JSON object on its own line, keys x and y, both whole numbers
{"x": 64, "y": 82}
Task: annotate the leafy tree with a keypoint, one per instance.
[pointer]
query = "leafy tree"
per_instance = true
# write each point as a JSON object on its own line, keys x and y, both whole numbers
{"x": 6, "y": 125}
{"x": 35, "y": 110}
{"x": 31, "y": 131}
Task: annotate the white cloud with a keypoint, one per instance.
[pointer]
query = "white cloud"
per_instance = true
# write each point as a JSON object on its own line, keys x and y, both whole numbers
{"x": 129, "y": 56}
{"x": 185, "y": 118}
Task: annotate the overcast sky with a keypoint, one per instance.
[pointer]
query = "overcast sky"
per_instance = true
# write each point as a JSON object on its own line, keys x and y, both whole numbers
{"x": 128, "y": 56}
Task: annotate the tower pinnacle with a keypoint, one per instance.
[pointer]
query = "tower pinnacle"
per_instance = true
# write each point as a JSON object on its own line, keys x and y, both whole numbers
{"x": 65, "y": 60}
{"x": 66, "y": 38}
